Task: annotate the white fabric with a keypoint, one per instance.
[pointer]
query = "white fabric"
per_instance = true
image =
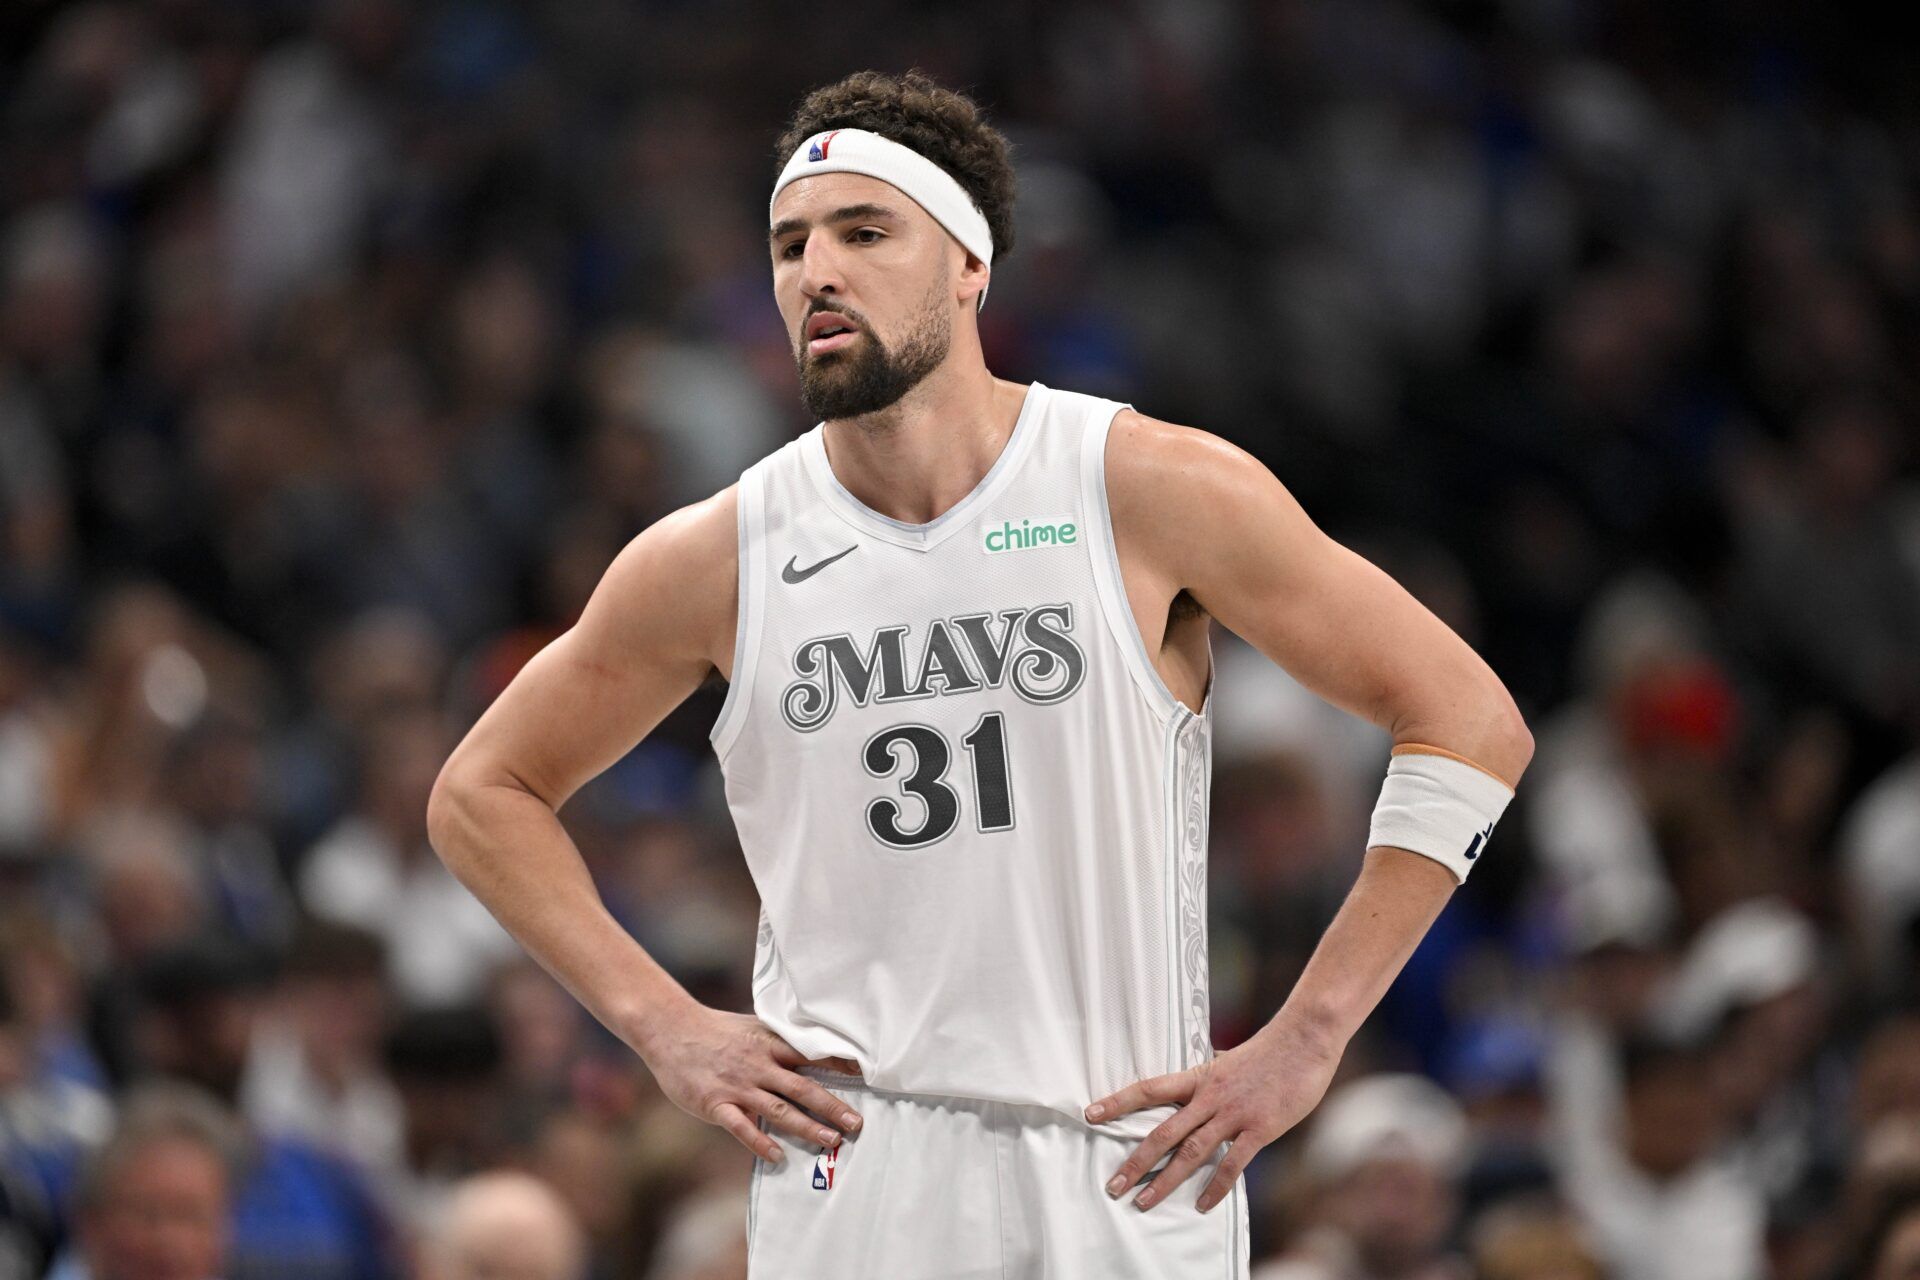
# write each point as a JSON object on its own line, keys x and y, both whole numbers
{"x": 1437, "y": 806}
{"x": 1044, "y": 942}
{"x": 926, "y": 183}
{"x": 958, "y": 1189}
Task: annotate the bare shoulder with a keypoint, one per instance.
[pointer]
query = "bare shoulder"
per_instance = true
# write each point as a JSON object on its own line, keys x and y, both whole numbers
{"x": 1173, "y": 488}
{"x": 1137, "y": 438}
{"x": 674, "y": 587}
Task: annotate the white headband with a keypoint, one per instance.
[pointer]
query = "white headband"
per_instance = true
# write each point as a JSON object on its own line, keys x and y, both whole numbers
{"x": 926, "y": 183}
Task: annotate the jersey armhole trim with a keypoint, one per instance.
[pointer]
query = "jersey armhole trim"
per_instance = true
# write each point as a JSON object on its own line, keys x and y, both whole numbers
{"x": 1109, "y": 583}
{"x": 748, "y": 619}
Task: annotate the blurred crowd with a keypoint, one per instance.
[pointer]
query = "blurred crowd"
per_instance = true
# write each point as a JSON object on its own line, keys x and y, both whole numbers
{"x": 344, "y": 342}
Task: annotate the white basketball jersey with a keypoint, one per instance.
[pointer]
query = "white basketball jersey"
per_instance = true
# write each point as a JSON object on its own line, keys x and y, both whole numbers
{"x": 976, "y": 815}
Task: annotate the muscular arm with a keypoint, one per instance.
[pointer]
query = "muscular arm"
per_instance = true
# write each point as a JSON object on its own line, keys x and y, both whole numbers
{"x": 661, "y": 618}
{"x": 654, "y": 627}
{"x": 1227, "y": 531}
{"x": 1192, "y": 512}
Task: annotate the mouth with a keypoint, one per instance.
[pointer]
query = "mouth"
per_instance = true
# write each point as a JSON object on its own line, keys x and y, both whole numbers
{"x": 829, "y": 331}
{"x": 820, "y": 346}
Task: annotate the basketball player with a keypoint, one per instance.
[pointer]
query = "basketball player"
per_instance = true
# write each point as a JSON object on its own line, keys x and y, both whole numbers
{"x": 966, "y": 743}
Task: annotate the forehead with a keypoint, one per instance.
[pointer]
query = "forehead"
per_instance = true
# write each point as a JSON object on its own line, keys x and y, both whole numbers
{"x": 817, "y": 196}
{"x": 170, "y": 1160}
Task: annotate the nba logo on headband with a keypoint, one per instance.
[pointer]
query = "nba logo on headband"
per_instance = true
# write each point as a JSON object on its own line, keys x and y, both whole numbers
{"x": 819, "y": 148}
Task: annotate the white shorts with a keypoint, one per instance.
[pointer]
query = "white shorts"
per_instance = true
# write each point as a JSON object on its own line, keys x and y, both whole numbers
{"x": 936, "y": 1188}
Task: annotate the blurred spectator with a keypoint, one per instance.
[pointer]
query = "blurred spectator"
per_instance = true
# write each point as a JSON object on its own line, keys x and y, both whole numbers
{"x": 48, "y": 1123}
{"x": 1883, "y": 1157}
{"x": 155, "y": 1201}
{"x": 1750, "y": 980}
{"x": 376, "y": 870}
{"x": 293, "y": 1204}
{"x": 705, "y": 1241}
{"x": 1882, "y": 878}
{"x": 542, "y": 1037}
{"x": 343, "y": 345}
{"x": 504, "y": 1226}
{"x": 375, "y": 663}
{"x": 214, "y": 776}
{"x": 670, "y": 1164}
{"x": 1532, "y": 1242}
{"x": 446, "y": 1064}
{"x": 314, "y": 1066}
{"x": 1892, "y": 1247}
{"x": 1497, "y": 1071}
{"x": 1663, "y": 1204}
{"x": 27, "y": 738}
{"x": 1823, "y": 546}
{"x": 585, "y": 1158}
{"x": 1887, "y": 1083}
{"x": 1383, "y": 1158}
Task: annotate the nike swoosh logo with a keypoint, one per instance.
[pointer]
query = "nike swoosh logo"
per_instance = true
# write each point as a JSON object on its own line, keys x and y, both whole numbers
{"x": 791, "y": 574}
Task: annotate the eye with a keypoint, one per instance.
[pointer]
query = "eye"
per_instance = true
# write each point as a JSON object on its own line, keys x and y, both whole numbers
{"x": 862, "y": 235}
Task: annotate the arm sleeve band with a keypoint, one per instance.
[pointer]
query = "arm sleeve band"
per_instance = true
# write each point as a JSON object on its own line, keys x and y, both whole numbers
{"x": 1438, "y": 805}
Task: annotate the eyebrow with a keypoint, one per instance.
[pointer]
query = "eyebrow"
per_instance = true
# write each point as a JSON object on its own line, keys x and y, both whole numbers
{"x": 786, "y": 225}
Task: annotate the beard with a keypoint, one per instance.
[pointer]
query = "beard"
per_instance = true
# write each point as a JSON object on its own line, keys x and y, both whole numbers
{"x": 865, "y": 376}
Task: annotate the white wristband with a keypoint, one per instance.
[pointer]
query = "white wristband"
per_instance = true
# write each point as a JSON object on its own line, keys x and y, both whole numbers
{"x": 1438, "y": 806}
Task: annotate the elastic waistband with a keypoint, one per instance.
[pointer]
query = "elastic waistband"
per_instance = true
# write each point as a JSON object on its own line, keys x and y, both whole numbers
{"x": 827, "y": 1075}
{"x": 1133, "y": 1126}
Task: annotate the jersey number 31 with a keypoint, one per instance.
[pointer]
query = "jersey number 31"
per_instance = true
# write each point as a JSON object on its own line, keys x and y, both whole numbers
{"x": 925, "y": 754}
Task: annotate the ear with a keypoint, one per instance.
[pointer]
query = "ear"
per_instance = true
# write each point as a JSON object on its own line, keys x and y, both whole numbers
{"x": 974, "y": 275}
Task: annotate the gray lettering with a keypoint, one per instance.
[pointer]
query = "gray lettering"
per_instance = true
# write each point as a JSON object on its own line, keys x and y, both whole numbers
{"x": 989, "y": 657}
{"x": 1033, "y": 670}
{"x": 943, "y": 662}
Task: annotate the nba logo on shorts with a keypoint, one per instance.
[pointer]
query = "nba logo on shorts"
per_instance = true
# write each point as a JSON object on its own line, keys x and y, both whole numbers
{"x": 823, "y": 1169}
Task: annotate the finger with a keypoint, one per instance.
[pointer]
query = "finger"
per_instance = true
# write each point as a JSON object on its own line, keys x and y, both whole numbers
{"x": 783, "y": 1053}
{"x": 1154, "y": 1092}
{"x": 1232, "y": 1165}
{"x": 1194, "y": 1150}
{"x": 816, "y": 1098}
{"x": 731, "y": 1118}
{"x": 1153, "y": 1146}
{"x": 790, "y": 1119}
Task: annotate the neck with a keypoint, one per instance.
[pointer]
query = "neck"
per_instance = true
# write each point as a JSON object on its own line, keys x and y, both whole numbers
{"x": 915, "y": 459}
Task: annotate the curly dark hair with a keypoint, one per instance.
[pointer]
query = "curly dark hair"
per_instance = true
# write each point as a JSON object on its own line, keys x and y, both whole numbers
{"x": 944, "y": 126}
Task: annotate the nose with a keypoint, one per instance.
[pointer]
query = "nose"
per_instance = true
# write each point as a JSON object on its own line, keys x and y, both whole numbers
{"x": 820, "y": 272}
